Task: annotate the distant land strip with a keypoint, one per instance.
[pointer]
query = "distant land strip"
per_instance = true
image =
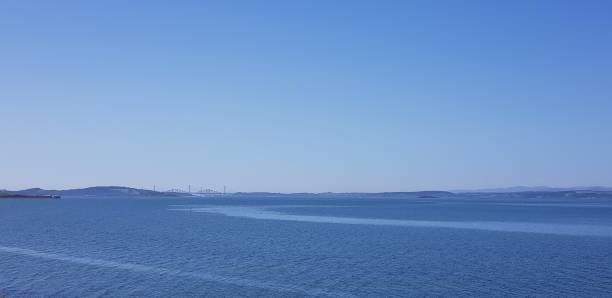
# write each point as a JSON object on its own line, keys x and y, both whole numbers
{"x": 599, "y": 192}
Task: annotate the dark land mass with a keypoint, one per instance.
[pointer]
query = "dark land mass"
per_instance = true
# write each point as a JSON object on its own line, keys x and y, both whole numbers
{"x": 96, "y": 191}
{"x": 18, "y": 196}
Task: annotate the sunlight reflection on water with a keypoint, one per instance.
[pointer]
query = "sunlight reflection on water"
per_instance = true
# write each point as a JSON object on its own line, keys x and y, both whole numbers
{"x": 522, "y": 227}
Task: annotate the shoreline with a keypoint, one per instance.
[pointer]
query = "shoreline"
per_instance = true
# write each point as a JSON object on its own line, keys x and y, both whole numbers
{"x": 44, "y": 197}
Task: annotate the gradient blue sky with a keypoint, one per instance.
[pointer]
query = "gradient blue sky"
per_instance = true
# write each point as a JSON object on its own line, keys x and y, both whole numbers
{"x": 305, "y": 95}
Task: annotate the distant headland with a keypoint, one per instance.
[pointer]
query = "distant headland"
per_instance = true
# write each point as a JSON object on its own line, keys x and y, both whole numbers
{"x": 96, "y": 191}
{"x": 25, "y": 196}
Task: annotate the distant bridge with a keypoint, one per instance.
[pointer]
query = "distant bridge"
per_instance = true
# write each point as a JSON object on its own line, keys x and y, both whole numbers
{"x": 202, "y": 191}
{"x": 206, "y": 191}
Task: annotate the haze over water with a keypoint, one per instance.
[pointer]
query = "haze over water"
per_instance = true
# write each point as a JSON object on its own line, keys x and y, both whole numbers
{"x": 288, "y": 247}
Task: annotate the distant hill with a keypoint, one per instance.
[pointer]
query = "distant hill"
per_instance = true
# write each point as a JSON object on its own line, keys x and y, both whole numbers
{"x": 97, "y": 191}
{"x": 534, "y": 188}
{"x": 567, "y": 194}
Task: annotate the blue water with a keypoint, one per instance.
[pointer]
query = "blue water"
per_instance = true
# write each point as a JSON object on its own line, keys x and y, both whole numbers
{"x": 286, "y": 247}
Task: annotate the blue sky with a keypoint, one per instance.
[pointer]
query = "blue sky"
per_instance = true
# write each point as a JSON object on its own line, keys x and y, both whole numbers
{"x": 305, "y": 95}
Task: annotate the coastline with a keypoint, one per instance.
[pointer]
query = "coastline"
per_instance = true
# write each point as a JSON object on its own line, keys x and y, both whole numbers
{"x": 16, "y": 196}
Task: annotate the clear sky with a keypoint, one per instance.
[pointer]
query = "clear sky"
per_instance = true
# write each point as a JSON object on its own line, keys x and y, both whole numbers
{"x": 305, "y": 95}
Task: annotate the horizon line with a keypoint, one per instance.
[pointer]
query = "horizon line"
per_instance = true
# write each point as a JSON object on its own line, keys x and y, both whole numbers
{"x": 516, "y": 188}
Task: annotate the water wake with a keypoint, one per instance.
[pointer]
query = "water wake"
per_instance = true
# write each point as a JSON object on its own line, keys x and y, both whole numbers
{"x": 177, "y": 273}
{"x": 522, "y": 227}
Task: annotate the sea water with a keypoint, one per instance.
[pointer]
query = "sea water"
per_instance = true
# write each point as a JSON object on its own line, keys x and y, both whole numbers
{"x": 295, "y": 247}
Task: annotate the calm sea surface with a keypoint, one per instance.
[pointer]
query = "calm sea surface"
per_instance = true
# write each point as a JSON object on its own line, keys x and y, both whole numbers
{"x": 286, "y": 247}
